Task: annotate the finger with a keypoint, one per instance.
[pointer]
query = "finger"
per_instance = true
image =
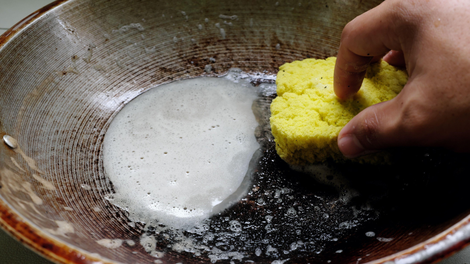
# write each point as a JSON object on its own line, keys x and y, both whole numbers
{"x": 350, "y": 70}
{"x": 395, "y": 58}
{"x": 376, "y": 127}
{"x": 369, "y": 35}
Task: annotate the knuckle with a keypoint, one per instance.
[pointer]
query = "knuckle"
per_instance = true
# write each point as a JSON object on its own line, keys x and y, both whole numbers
{"x": 404, "y": 13}
{"x": 347, "y": 30}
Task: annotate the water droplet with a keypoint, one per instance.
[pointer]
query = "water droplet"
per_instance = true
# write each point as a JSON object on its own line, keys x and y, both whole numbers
{"x": 10, "y": 141}
{"x": 235, "y": 226}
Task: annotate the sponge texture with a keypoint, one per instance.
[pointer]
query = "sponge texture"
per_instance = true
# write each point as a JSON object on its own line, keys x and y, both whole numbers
{"x": 306, "y": 115}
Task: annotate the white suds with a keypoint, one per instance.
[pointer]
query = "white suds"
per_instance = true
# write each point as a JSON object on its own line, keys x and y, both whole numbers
{"x": 384, "y": 239}
{"x": 179, "y": 152}
{"x": 110, "y": 243}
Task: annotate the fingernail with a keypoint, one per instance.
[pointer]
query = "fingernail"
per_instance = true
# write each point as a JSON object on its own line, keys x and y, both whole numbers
{"x": 350, "y": 146}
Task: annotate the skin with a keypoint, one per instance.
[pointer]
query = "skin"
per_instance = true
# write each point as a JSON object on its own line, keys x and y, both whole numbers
{"x": 431, "y": 38}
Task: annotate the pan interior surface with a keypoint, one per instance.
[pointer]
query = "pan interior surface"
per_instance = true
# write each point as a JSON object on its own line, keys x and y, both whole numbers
{"x": 68, "y": 71}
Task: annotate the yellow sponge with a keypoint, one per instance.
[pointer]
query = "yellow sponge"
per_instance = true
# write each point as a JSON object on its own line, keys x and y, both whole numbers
{"x": 306, "y": 115}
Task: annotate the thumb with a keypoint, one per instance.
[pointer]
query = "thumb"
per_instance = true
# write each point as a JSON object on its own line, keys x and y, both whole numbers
{"x": 373, "y": 129}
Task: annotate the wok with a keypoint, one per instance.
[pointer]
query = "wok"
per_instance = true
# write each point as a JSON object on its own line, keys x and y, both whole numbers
{"x": 66, "y": 71}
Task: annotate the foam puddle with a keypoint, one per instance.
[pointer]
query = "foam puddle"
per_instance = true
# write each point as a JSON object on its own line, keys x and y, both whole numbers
{"x": 180, "y": 152}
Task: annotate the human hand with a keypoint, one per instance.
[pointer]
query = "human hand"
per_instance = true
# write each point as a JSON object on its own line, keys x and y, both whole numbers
{"x": 432, "y": 40}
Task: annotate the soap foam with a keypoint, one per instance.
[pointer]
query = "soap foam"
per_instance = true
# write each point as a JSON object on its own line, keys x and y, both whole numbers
{"x": 179, "y": 152}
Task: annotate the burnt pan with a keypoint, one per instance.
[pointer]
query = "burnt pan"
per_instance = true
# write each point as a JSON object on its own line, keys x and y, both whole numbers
{"x": 67, "y": 69}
